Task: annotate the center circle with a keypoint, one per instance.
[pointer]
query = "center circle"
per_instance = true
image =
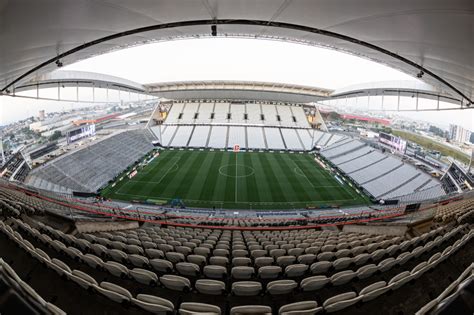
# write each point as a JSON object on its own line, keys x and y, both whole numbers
{"x": 236, "y": 170}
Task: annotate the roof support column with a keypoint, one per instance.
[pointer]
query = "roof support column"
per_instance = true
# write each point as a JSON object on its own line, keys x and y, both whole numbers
{"x": 416, "y": 101}
{"x": 398, "y": 102}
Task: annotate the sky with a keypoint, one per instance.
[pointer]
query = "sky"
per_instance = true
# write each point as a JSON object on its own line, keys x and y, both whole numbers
{"x": 232, "y": 59}
{"x": 238, "y": 59}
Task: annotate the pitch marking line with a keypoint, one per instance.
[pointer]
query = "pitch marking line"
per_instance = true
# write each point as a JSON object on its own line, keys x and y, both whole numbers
{"x": 159, "y": 181}
{"x": 173, "y": 168}
{"x": 328, "y": 175}
{"x": 223, "y": 173}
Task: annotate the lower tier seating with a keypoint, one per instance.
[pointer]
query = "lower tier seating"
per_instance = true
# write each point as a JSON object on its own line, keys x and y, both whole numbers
{"x": 129, "y": 280}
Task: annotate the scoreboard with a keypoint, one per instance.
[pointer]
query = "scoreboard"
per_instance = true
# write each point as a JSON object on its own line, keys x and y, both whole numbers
{"x": 394, "y": 142}
{"x": 80, "y": 133}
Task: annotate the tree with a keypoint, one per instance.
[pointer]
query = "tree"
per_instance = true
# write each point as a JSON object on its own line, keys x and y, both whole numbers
{"x": 334, "y": 116}
{"x": 437, "y": 131}
{"x": 55, "y": 136}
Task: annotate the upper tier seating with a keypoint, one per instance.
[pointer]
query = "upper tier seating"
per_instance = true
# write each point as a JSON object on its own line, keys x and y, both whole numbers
{"x": 93, "y": 166}
{"x": 221, "y": 125}
{"x": 237, "y": 114}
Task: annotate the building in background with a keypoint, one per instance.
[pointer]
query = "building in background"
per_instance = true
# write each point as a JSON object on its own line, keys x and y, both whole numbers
{"x": 41, "y": 114}
{"x": 459, "y": 134}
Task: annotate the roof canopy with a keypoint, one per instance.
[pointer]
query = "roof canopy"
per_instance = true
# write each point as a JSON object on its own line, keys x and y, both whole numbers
{"x": 430, "y": 37}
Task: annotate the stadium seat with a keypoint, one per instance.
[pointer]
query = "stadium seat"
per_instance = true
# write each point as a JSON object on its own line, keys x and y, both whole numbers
{"x": 340, "y": 301}
{"x": 138, "y": 260}
{"x": 297, "y": 270}
{"x": 188, "y": 269}
{"x": 161, "y": 265}
{"x": 93, "y": 261}
{"x": 320, "y": 267}
{"x": 213, "y": 287}
{"x": 215, "y": 272}
{"x": 300, "y": 308}
{"x": 251, "y": 309}
{"x": 191, "y": 308}
{"x": 242, "y": 273}
{"x": 176, "y": 283}
{"x": 144, "y": 276}
{"x": 83, "y": 279}
{"x": 269, "y": 272}
{"x": 281, "y": 286}
{"x": 246, "y": 288}
{"x": 153, "y": 304}
{"x": 342, "y": 277}
{"x": 114, "y": 292}
{"x": 372, "y": 291}
{"x": 116, "y": 269}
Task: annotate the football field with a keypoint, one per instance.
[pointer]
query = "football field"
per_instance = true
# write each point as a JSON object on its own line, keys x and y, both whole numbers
{"x": 243, "y": 180}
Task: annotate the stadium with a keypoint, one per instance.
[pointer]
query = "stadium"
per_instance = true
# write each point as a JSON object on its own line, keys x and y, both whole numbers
{"x": 235, "y": 196}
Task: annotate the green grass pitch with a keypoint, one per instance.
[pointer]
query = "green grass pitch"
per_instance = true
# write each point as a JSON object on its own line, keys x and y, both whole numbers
{"x": 243, "y": 180}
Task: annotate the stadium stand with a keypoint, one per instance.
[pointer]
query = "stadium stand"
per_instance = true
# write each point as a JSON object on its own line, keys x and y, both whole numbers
{"x": 458, "y": 293}
{"x": 91, "y": 167}
{"x": 163, "y": 269}
{"x": 454, "y": 211}
{"x": 237, "y": 135}
{"x": 251, "y": 125}
{"x": 457, "y": 179}
{"x": 16, "y": 168}
{"x": 255, "y": 138}
{"x": 199, "y": 136}
{"x": 218, "y": 137}
{"x": 373, "y": 170}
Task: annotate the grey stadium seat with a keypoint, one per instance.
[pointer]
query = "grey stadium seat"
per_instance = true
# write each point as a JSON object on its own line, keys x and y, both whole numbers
{"x": 314, "y": 283}
{"x": 269, "y": 272}
{"x": 242, "y": 273}
{"x": 188, "y": 269}
{"x": 300, "y": 308}
{"x": 191, "y": 308}
{"x": 281, "y": 286}
{"x": 215, "y": 272}
{"x": 83, "y": 279}
{"x": 296, "y": 270}
{"x": 115, "y": 268}
{"x": 320, "y": 267}
{"x": 370, "y": 292}
{"x": 176, "y": 283}
{"x": 161, "y": 265}
{"x": 251, "y": 309}
{"x": 213, "y": 287}
{"x": 114, "y": 292}
{"x": 153, "y": 304}
{"x": 144, "y": 276}
{"x": 340, "y": 301}
{"x": 246, "y": 288}
{"x": 342, "y": 277}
